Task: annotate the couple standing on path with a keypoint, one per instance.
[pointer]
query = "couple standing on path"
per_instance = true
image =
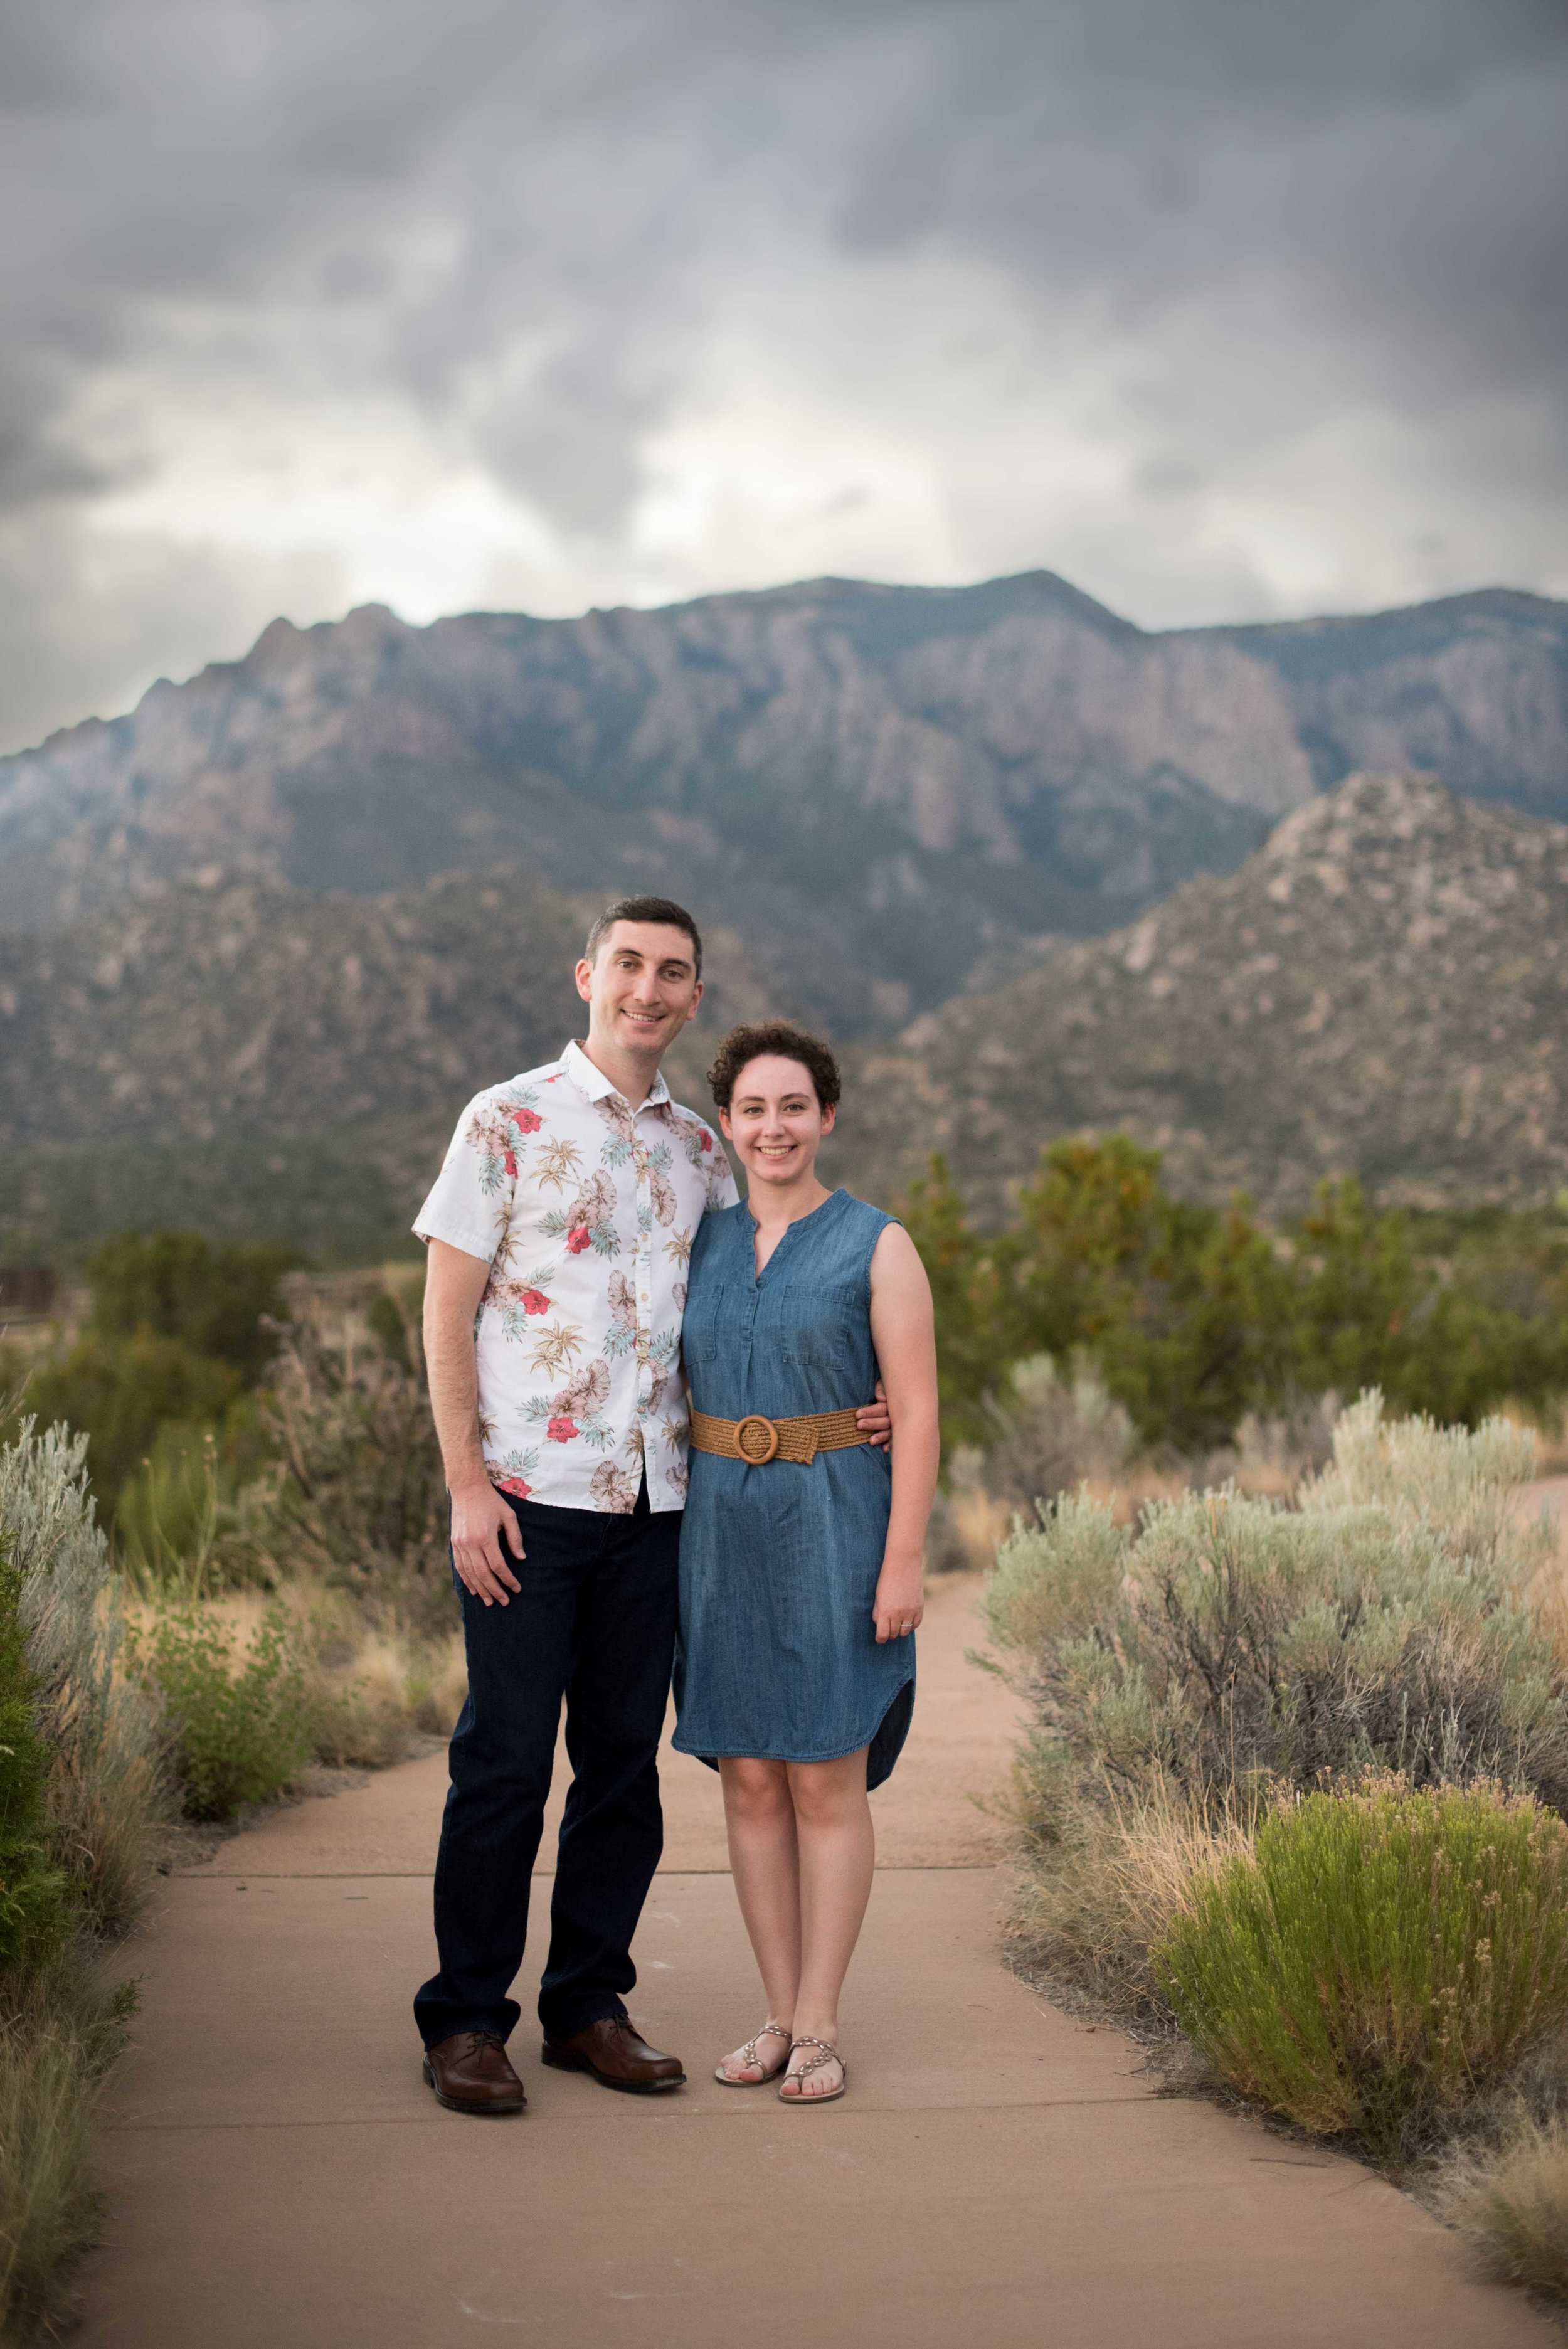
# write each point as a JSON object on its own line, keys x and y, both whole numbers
{"x": 588, "y": 1262}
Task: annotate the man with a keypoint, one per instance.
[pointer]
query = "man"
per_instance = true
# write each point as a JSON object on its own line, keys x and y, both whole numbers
{"x": 558, "y": 1235}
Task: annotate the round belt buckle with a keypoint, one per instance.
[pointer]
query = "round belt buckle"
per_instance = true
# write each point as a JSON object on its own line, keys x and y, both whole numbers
{"x": 769, "y": 1437}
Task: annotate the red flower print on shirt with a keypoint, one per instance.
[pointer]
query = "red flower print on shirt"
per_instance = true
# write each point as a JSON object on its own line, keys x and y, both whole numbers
{"x": 705, "y": 1139}
{"x": 515, "y": 1485}
{"x": 527, "y": 1120}
{"x": 533, "y": 1300}
{"x": 509, "y": 1161}
{"x": 562, "y": 1431}
{"x": 578, "y": 1238}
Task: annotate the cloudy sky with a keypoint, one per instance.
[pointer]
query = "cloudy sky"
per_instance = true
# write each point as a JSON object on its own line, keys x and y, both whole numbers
{"x": 1224, "y": 308}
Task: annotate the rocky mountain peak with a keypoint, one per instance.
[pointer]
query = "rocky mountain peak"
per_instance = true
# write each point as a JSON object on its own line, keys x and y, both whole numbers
{"x": 1381, "y": 990}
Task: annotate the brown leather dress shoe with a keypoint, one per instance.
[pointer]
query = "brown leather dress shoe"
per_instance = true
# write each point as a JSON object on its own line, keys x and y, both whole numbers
{"x": 471, "y": 2073}
{"x": 612, "y": 2050}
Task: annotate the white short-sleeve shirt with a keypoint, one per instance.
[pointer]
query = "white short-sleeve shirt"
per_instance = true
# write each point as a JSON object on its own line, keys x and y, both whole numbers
{"x": 585, "y": 1211}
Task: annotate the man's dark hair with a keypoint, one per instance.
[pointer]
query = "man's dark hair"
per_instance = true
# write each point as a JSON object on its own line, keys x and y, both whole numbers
{"x": 780, "y": 1038}
{"x": 644, "y": 909}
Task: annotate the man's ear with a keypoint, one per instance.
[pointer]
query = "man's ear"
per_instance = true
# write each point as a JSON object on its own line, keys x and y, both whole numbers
{"x": 695, "y": 999}
{"x": 585, "y": 979}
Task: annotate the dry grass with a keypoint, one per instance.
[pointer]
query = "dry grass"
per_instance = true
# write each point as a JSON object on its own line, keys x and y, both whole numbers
{"x": 58, "y": 2035}
{"x": 1548, "y": 1425}
{"x": 1112, "y": 1881}
{"x": 967, "y": 1519}
{"x": 371, "y": 1689}
{"x": 1511, "y": 2205}
{"x": 1545, "y": 1590}
{"x": 109, "y": 1809}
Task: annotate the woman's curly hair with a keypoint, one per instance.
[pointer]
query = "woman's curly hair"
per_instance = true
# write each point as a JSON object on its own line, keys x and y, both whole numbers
{"x": 781, "y": 1038}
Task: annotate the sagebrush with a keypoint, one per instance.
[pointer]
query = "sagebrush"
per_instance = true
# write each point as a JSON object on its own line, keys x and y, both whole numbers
{"x": 87, "y": 1805}
{"x": 1229, "y": 1642}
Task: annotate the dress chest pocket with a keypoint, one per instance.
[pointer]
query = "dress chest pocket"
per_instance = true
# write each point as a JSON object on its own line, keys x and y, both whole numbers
{"x": 819, "y": 1326}
{"x": 705, "y": 1315}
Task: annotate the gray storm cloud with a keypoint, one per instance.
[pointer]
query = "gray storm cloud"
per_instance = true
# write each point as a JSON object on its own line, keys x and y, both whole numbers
{"x": 1260, "y": 248}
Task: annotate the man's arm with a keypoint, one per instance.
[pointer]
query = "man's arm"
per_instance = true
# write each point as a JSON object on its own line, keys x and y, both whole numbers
{"x": 483, "y": 1526}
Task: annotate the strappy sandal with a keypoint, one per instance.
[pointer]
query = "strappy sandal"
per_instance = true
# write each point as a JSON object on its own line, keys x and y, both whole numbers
{"x": 749, "y": 2054}
{"x": 830, "y": 2054}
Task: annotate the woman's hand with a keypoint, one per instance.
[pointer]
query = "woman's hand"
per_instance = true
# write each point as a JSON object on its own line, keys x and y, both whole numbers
{"x": 900, "y": 1602}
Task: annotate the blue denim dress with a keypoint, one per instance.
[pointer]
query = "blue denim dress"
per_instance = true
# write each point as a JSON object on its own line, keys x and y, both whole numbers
{"x": 778, "y": 1655}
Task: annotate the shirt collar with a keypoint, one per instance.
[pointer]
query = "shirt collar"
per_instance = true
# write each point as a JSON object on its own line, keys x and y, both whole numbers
{"x": 595, "y": 1085}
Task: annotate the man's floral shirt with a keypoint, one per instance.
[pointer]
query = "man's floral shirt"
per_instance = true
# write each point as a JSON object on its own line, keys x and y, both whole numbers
{"x": 585, "y": 1212}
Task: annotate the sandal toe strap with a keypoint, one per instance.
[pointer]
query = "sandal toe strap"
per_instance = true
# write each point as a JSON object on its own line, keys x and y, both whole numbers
{"x": 830, "y": 2054}
{"x": 750, "y": 2054}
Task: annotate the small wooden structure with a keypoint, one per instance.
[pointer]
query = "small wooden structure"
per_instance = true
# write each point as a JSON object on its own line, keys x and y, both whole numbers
{"x": 27, "y": 1289}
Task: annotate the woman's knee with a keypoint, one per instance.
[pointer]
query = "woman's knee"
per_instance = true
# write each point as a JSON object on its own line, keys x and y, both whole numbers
{"x": 827, "y": 1793}
{"x": 755, "y": 1789}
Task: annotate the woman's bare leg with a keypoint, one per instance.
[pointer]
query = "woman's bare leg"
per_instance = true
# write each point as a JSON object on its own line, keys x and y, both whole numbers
{"x": 838, "y": 1852}
{"x": 759, "y": 1824}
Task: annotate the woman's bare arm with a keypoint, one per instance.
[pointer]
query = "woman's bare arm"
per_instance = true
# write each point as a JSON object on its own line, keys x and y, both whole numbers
{"x": 904, "y": 1332}
{"x": 484, "y": 1529}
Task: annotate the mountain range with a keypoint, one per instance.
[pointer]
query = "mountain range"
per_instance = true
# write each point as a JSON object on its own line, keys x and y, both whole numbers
{"x": 260, "y": 936}
{"x": 1381, "y": 990}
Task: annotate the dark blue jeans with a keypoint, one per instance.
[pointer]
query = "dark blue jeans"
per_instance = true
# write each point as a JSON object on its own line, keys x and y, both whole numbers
{"x": 595, "y": 1622}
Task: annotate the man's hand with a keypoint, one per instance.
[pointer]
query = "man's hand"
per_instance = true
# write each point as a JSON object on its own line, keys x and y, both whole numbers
{"x": 876, "y": 1419}
{"x": 486, "y": 1541}
{"x": 899, "y": 1601}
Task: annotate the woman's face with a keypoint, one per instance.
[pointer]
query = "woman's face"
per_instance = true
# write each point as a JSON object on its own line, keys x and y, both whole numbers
{"x": 775, "y": 1119}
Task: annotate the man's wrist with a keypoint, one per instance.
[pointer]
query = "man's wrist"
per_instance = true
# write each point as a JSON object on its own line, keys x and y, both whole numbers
{"x": 469, "y": 1482}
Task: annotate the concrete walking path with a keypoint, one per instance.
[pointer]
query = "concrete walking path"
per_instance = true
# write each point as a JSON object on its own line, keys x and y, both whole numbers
{"x": 999, "y": 2176}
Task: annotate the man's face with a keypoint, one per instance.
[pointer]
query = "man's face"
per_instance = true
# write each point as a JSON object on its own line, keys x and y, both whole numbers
{"x": 641, "y": 987}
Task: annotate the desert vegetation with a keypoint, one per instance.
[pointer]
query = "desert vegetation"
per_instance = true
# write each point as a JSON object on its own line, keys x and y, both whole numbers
{"x": 1199, "y": 1319}
{"x": 84, "y": 1809}
{"x": 1292, "y": 1802}
{"x": 250, "y": 1587}
{"x": 1271, "y": 1646}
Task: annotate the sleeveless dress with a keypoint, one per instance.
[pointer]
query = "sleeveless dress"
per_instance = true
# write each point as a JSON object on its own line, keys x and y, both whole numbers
{"x": 778, "y": 1654}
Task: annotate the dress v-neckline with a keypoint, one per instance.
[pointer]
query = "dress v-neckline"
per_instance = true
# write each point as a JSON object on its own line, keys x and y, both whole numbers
{"x": 782, "y": 1242}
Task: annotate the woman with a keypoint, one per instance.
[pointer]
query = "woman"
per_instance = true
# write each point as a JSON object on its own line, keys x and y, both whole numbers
{"x": 801, "y": 1548}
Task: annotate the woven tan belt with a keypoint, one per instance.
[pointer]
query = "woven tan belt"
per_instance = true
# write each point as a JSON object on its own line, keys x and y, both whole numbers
{"x": 759, "y": 1440}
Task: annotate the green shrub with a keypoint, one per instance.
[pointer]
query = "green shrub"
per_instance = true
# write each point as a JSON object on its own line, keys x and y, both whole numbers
{"x": 215, "y": 1300}
{"x": 1196, "y": 1315}
{"x": 240, "y": 1724}
{"x": 118, "y": 1392}
{"x": 34, "y": 1914}
{"x": 1382, "y": 1957}
{"x": 1186, "y": 1309}
{"x": 172, "y": 1514}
